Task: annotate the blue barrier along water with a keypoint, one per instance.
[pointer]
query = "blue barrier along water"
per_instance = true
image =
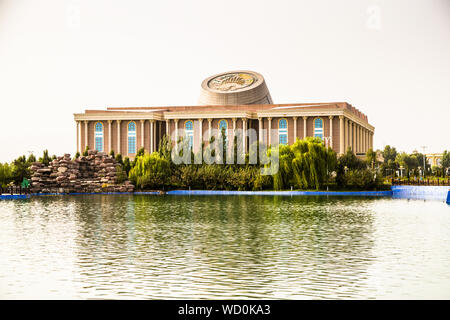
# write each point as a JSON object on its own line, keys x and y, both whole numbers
{"x": 420, "y": 192}
{"x": 448, "y": 197}
{"x": 282, "y": 193}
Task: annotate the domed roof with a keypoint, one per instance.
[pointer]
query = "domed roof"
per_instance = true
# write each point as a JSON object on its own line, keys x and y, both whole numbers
{"x": 234, "y": 88}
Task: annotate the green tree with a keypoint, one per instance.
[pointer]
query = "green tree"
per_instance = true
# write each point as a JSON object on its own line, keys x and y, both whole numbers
{"x": 119, "y": 158}
{"x": 151, "y": 171}
{"x": 371, "y": 158}
{"x": 20, "y": 170}
{"x": 5, "y": 174}
{"x": 126, "y": 165}
{"x": 45, "y": 159}
{"x": 112, "y": 154}
{"x": 389, "y": 153}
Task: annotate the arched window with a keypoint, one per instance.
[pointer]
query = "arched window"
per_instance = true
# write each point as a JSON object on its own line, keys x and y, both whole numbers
{"x": 282, "y": 131}
{"x": 189, "y": 132}
{"x": 318, "y": 128}
{"x": 99, "y": 136}
{"x": 223, "y": 124}
{"x": 132, "y": 137}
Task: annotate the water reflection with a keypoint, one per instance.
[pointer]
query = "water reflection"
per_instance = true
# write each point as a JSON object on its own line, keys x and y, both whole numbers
{"x": 216, "y": 247}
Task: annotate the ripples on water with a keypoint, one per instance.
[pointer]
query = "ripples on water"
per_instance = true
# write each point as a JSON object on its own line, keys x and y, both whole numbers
{"x": 222, "y": 247}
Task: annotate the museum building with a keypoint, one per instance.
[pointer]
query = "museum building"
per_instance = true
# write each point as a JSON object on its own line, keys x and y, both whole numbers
{"x": 231, "y": 100}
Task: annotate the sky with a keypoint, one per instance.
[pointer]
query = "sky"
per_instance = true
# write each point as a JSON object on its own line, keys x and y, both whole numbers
{"x": 390, "y": 59}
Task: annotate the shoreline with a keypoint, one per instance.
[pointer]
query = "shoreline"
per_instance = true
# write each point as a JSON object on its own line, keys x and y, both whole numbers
{"x": 441, "y": 193}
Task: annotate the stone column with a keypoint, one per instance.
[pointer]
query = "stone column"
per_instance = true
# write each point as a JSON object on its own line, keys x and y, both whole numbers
{"x": 260, "y": 134}
{"x": 304, "y": 126}
{"x": 168, "y": 128}
{"x": 109, "y": 135}
{"x": 346, "y": 135}
{"x": 86, "y": 133}
{"x": 295, "y": 129}
{"x": 142, "y": 133}
{"x": 341, "y": 135}
{"x": 331, "y": 130}
{"x": 359, "y": 138}
{"x": 152, "y": 135}
{"x": 200, "y": 134}
{"x": 118, "y": 136}
{"x": 209, "y": 129}
{"x": 350, "y": 135}
{"x": 244, "y": 134}
{"x": 176, "y": 130}
{"x": 79, "y": 136}
{"x": 364, "y": 140}
{"x": 354, "y": 146}
{"x": 269, "y": 131}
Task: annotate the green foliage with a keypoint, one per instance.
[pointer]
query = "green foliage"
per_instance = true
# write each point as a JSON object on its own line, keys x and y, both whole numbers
{"x": 31, "y": 158}
{"x": 20, "y": 170}
{"x": 362, "y": 179}
{"x": 77, "y": 155}
{"x": 151, "y": 171}
{"x": 126, "y": 165}
{"x": 306, "y": 164}
{"x": 121, "y": 174}
{"x": 389, "y": 154}
{"x": 119, "y": 158}
{"x": 371, "y": 158}
{"x": 45, "y": 159}
{"x": 5, "y": 174}
{"x": 86, "y": 151}
{"x": 112, "y": 154}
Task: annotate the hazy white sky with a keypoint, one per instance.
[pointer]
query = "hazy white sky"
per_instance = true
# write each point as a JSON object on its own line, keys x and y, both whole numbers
{"x": 390, "y": 59}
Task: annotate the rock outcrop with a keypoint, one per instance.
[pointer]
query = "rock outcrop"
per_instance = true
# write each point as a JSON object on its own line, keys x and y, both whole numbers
{"x": 97, "y": 172}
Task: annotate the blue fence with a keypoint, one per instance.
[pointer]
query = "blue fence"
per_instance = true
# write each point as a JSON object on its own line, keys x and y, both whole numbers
{"x": 421, "y": 192}
{"x": 282, "y": 193}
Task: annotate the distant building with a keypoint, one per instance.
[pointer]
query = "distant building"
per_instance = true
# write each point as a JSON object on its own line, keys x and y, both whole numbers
{"x": 434, "y": 159}
{"x": 231, "y": 100}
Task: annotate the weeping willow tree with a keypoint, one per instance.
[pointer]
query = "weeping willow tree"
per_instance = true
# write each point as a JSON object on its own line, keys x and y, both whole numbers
{"x": 305, "y": 164}
{"x": 150, "y": 171}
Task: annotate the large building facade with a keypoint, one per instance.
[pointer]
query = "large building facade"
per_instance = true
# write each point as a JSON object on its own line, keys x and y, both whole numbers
{"x": 233, "y": 100}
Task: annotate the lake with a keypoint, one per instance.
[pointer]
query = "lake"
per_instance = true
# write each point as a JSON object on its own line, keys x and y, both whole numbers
{"x": 223, "y": 247}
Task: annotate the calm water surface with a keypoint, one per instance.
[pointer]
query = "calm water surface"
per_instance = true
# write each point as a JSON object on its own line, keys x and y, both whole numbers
{"x": 230, "y": 247}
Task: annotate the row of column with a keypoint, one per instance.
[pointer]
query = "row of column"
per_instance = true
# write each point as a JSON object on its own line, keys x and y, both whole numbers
{"x": 351, "y": 134}
{"x": 355, "y": 136}
{"x": 117, "y": 147}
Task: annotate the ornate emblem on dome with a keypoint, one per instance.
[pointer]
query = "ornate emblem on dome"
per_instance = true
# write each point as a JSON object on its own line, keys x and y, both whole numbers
{"x": 231, "y": 81}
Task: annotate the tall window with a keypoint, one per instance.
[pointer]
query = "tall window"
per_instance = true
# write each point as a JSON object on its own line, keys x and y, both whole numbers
{"x": 189, "y": 132}
{"x": 223, "y": 124}
{"x": 282, "y": 131}
{"x": 99, "y": 136}
{"x": 132, "y": 137}
{"x": 318, "y": 128}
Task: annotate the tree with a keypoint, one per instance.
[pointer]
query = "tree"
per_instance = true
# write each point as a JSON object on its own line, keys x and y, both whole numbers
{"x": 304, "y": 164}
{"x": 112, "y": 154}
{"x": 45, "y": 159}
{"x": 31, "y": 159}
{"x": 407, "y": 161}
{"x": 20, "y": 170}
{"x": 151, "y": 171}
{"x": 126, "y": 165}
{"x": 389, "y": 153}
{"x": 119, "y": 158}
{"x": 5, "y": 174}
{"x": 371, "y": 158}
